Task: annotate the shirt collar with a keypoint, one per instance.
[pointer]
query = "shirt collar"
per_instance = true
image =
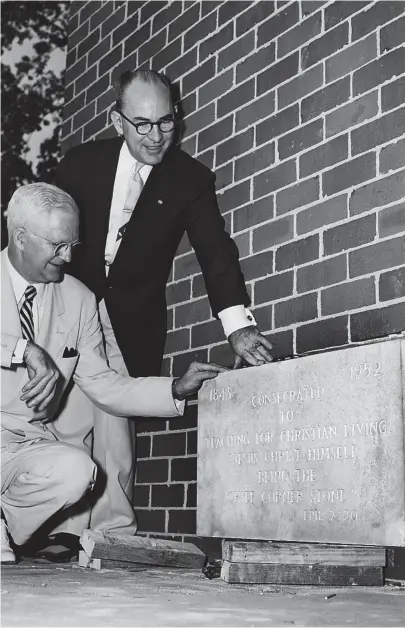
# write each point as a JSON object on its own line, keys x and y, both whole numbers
{"x": 19, "y": 283}
{"x": 128, "y": 163}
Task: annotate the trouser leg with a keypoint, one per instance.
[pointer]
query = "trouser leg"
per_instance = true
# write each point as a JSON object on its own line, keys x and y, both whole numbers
{"x": 40, "y": 479}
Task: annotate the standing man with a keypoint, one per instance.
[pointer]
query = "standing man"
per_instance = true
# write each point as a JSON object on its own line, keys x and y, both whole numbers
{"x": 138, "y": 195}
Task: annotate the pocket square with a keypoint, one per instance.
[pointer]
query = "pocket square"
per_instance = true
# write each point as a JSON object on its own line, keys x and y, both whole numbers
{"x": 69, "y": 353}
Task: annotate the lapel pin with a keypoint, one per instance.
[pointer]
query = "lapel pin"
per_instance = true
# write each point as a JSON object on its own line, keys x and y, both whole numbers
{"x": 160, "y": 202}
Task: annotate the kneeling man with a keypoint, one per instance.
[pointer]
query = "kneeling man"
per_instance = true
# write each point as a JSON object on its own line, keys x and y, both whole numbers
{"x": 51, "y": 337}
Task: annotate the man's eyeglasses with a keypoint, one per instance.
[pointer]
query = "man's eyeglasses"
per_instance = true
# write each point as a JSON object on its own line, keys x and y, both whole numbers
{"x": 143, "y": 128}
{"x": 59, "y": 247}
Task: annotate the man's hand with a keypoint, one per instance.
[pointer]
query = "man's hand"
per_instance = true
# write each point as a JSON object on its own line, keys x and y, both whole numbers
{"x": 250, "y": 346}
{"x": 195, "y": 376}
{"x": 43, "y": 374}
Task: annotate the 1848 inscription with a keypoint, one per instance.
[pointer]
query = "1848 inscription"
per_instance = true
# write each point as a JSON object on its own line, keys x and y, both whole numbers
{"x": 307, "y": 449}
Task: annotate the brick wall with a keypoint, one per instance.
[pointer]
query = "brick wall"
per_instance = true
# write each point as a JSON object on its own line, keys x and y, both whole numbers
{"x": 298, "y": 108}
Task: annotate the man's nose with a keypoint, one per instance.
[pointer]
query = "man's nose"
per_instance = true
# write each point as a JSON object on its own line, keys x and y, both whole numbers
{"x": 66, "y": 255}
{"x": 155, "y": 134}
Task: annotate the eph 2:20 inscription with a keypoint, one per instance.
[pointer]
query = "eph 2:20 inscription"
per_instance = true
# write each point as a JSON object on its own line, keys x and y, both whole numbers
{"x": 366, "y": 369}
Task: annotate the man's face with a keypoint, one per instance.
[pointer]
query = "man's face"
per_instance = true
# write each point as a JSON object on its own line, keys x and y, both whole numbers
{"x": 37, "y": 259}
{"x": 145, "y": 102}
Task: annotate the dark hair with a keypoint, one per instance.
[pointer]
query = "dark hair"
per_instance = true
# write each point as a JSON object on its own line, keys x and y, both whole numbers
{"x": 126, "y": 78}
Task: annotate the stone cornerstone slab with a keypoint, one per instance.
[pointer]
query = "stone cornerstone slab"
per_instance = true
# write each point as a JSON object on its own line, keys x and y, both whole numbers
{"x": 310, "y": 449}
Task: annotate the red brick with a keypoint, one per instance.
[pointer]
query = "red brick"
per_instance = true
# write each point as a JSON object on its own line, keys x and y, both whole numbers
{"x": 274, "y": 288}
{"x": 182, "y": 521}
{"x": 242, "y": 241}
{"x": 350, "y": 173}
{"x": 200, "y": 75}
{"x": 219, "y": 40}
{"x": 264, "y": 316}
{"x": 191, "y": 491}
{"x": 167, "y": 54}
{"x": 215, "y": 134}
{"x": 236, "y": 98}
{"x": 150, "y": 520}
{"x": 325, "y": 46}
{"x": 169, "y": 445}
{"x": 66, "y": 128}
{"x": 193, "y": 312}
{"x": 332, "y": 332}
{"x": 200, "y": 119}
{"x": 187, "y": 421}
{"x": 71, "y": 57}
{"x": 379, "y": 71}
{"x": 351, "y": 234}
{"x": 380, "y": 256}
{"x": 128, "y": 28}
{"x": 300, "y": 86}
{"x": 327, "y": 98}
{"x": 391, "y": 220}
{"x": 99, "y": 51}
{"x": 73, "y": 140}
{"x": 97, "y": 88}
{"x": 85, "y": 79}
{"x": 199, "y": 288}
{"x": 143, "y": 444}
{"x": 278, "y": 24}
{"x": 74, "y": 105}
{"x": 215, "y": 88}
{"x": 351, "y": 58}
{"x": 234, "y": 197}
{"x": 169, "y": 320}
{"x": 224, "y": 176}
{"x": 378, "y": 193}
{"x": 296, "y": 37}
{"x": 393, "y": 35}
{"x": 255, "y": 161}
{"x": 98, "y": 123}
{"x": 185, "y": 266}
{"x": 73, "y": 23}
{"x": 106, "y": 100}
{"x": 234, "y": 146}
{"x": 339, "y": 11}
{"x": 257, "y": 266}
{"x": 324, "y": 156}
{"x": 377, "y": 323}
{"x": 297, "y": 195}
{"x": 166, "y": 495}
{"x": 78, "y": 35}
{"x": 168, "y": 14}
{"x": 113, "y": 22}
{"x": 255, "y": 62}
{"x": 260, "y": 108}
{"x": 253, "y": 213}
{"x": 177, "y": 341}
{"x": 182, "y": 65}
{"x": 150, "y": 8}
{"x": 297, "y": 252}
{"x": 392, "y": 284}
{"x": 182, "y": 361}
{"x": 190, "y": 146}
{"x": 184, "y": 21}
{"x": 310, "y": 6}
{"x": 206, "y": 333}
{"x": 392, "y": 156}
{"x": 88, "y": 43}
{"x": 223, "y": 355}
{"x": 178, "y": 292}
{"x": 240, "y": 48}
{"x": 110, "y": 60}
{"x": 84, "y": 115}
{"x": 102, "y": 14}
{"x": 348, "y": 296}
{"x": 296, "y": 310}
{"x": 256, "y": 14}
{"x": 274, "y": 178}
{"x": 188, "y": 104}
{"x": 229, "y": 10}
{"x": 379, "y": 131}
{"x": 301, "y": 138}
{"x": 375, "y": 16}
{"x": 273, "y": 233}
{"x": 183, "y": 469}
{"x": 322, "y": 214}
{"x": 150, "y": 425}
{"x": 282, "y": 342}
{"x": 199, "y": 31}
{"x": 277, "y": 73}
{"x": 351, "y": 114}
{"x": 152, "y": 471}
{"x": 277, "y": 124}
{"x": 323, "y": 273}
{"x": 141, "y": 496}
{"x": 76, "y": 70}
{"x": 153, "y": 46}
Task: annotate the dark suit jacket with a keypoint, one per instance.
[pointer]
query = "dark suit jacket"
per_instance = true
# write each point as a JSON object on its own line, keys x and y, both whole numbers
{"x": 179, "y": 196}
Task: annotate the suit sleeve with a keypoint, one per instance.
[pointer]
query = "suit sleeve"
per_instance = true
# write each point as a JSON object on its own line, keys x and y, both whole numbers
{"x": 8, "y": 346}
{"x": 216, "y": 252}
{"x": 116, "y": 394}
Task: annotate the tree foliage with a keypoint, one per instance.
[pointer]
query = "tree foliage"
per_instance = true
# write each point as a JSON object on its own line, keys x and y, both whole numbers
{"x": 32, "y": 94}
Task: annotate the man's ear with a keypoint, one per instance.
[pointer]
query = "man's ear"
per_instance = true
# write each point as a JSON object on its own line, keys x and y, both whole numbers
{"x": 18, "y": 238}
{"x": 117, "y": 122}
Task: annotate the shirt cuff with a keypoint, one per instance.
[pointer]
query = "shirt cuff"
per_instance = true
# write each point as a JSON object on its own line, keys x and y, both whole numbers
{"x": 180, "y": 406}
{"x": 235, "y": 317}
{"x": 18, "y": 355}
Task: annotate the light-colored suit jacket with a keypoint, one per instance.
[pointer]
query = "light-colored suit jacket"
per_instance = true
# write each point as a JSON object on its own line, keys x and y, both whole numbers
{"x": 70, "y": 321}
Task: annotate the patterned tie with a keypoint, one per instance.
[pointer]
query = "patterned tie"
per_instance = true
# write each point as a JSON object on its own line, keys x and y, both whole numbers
{"x": 26, "y": 317}
{"x": 134, "y": 190}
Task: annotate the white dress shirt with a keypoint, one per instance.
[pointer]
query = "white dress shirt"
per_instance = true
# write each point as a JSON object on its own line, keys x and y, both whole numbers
{"x": 232, "y": 318}
{"x": 19, "y": 285}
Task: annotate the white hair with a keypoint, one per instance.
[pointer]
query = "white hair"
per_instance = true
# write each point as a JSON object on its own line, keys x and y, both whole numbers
{"x": 34, "y": 198}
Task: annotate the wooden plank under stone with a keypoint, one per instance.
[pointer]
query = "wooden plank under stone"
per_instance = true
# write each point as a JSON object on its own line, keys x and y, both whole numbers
{"x": 303, "y": 553}
{"x": 137, "y": 549}
{"x": 325, "y": 575}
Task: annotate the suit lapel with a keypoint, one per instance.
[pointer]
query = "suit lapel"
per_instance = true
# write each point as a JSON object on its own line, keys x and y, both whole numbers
{"x": 10, "y": 318}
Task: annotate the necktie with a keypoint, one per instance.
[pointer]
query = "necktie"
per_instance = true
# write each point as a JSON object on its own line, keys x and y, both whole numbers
{"x": 26, "y": 317}
{"x": 134, "y": 190}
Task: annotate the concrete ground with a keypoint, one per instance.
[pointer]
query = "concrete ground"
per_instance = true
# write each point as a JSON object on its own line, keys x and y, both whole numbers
{"x": 39, "y": 594}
